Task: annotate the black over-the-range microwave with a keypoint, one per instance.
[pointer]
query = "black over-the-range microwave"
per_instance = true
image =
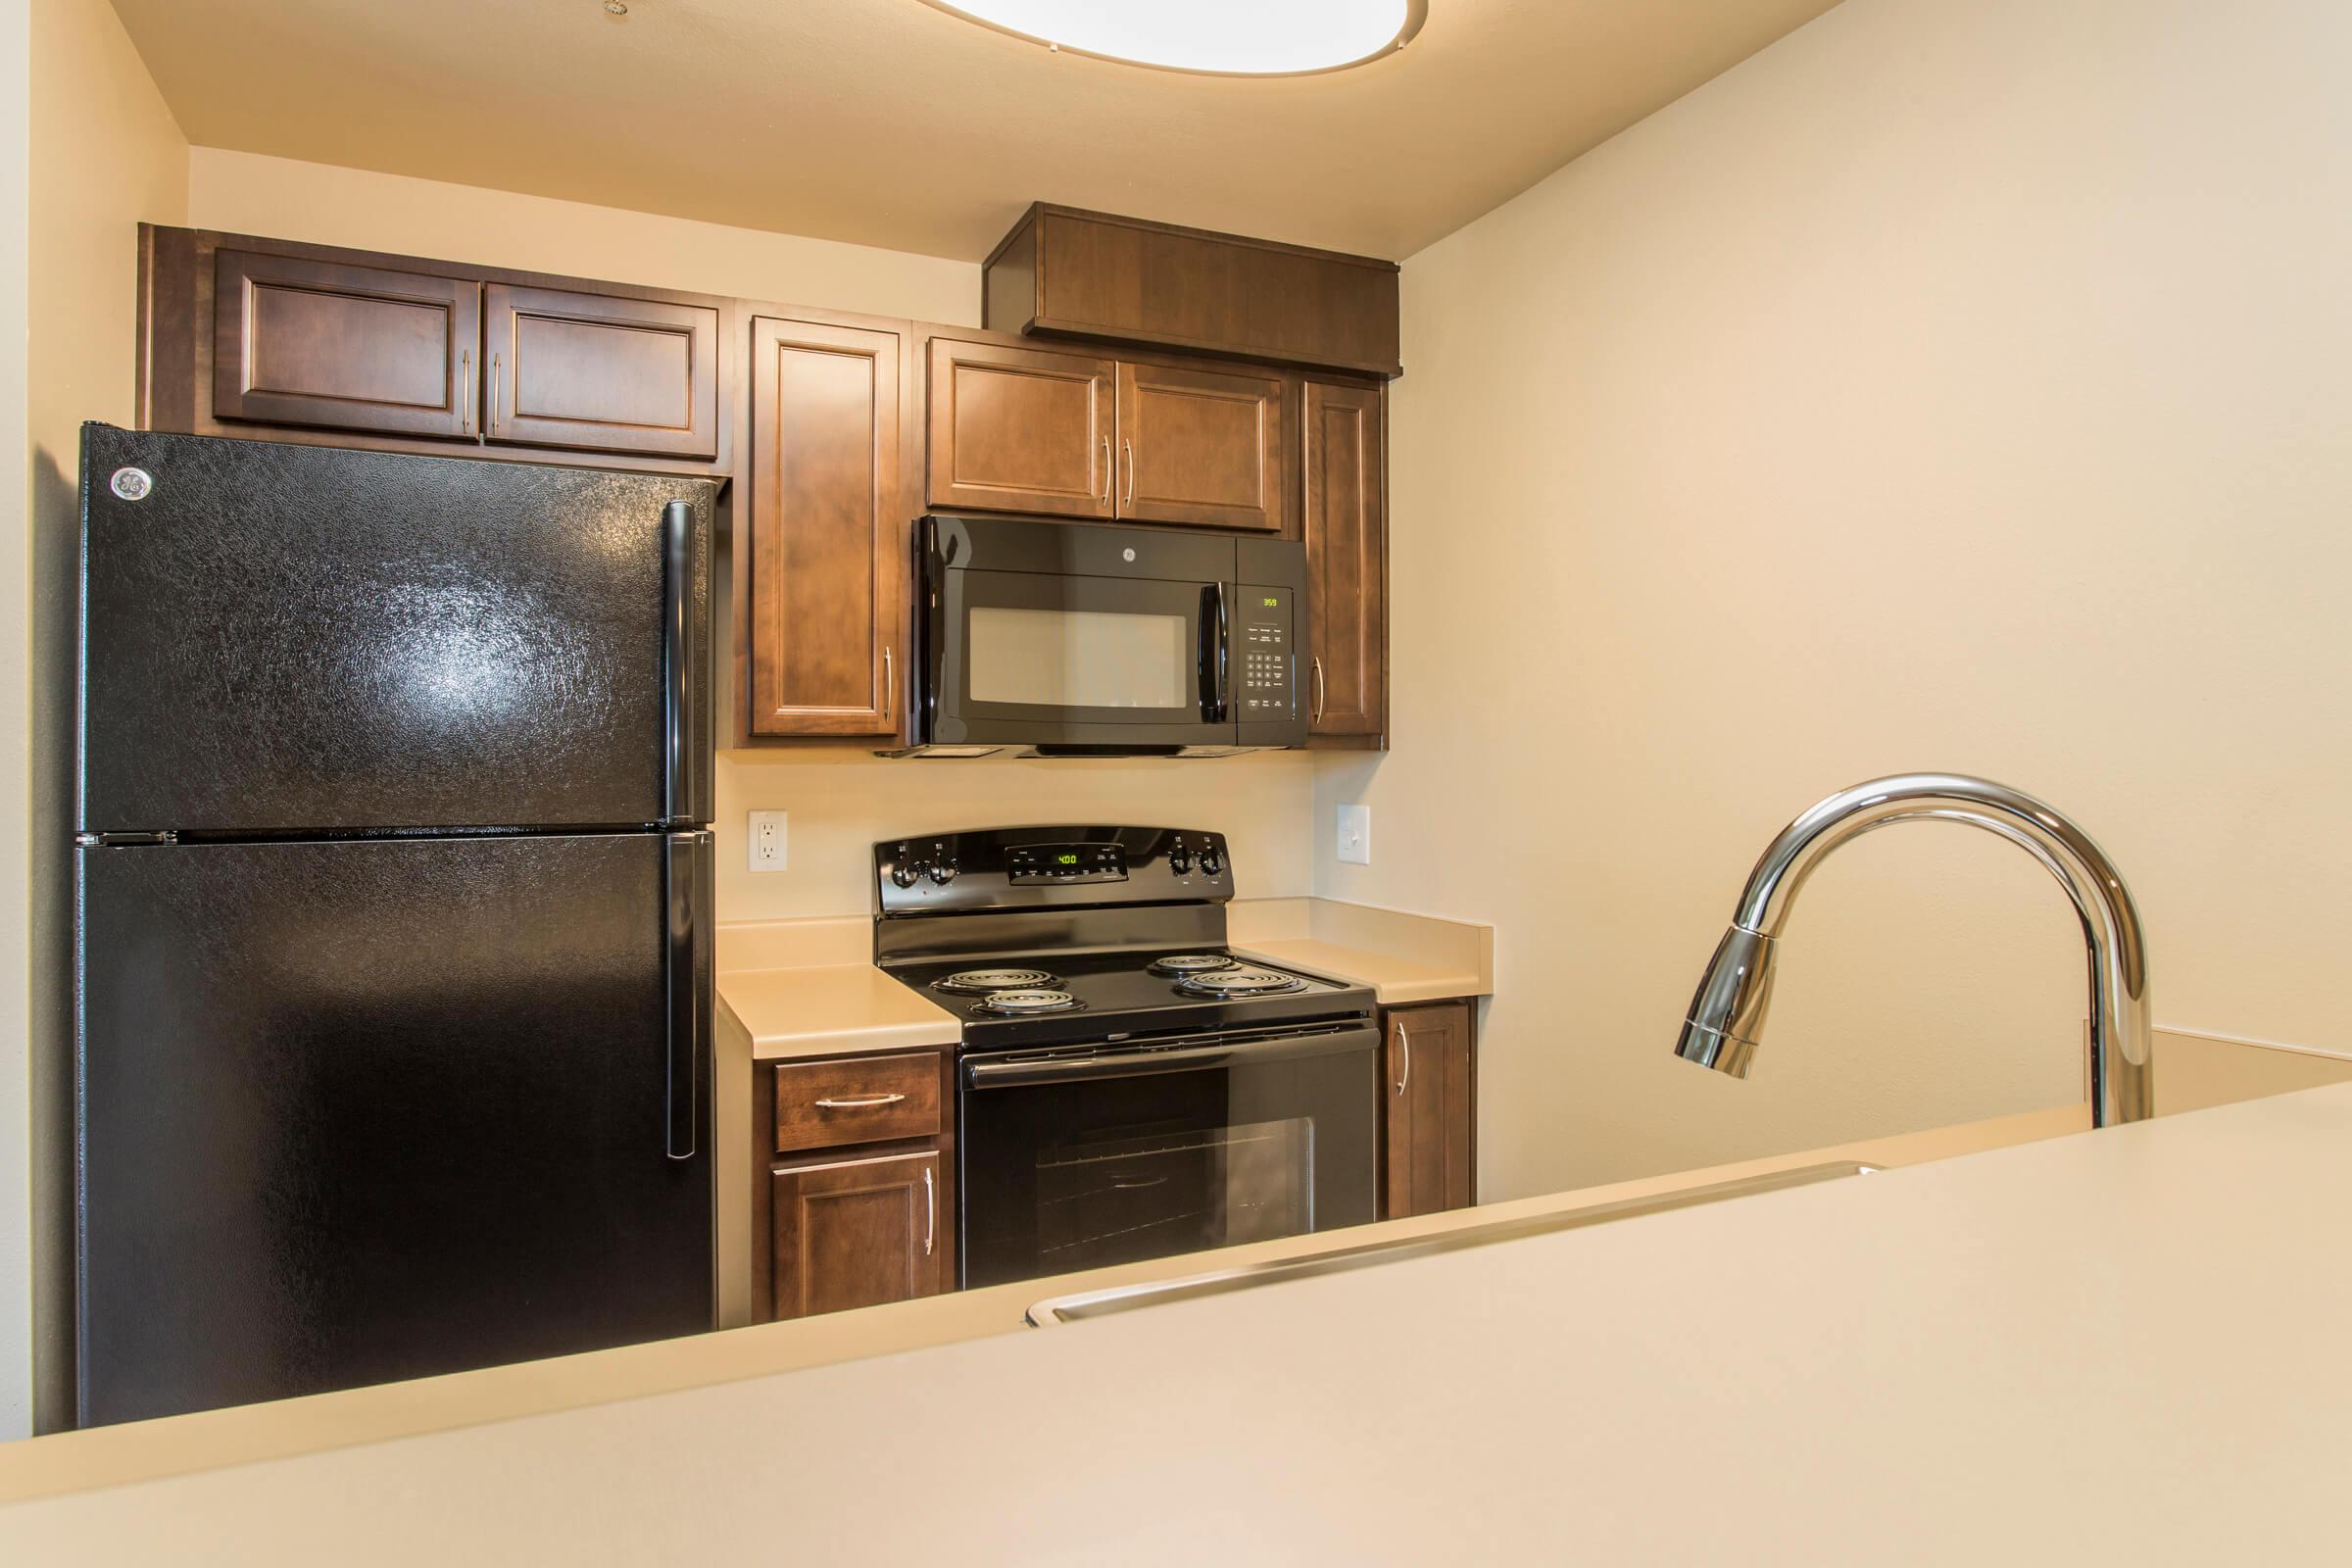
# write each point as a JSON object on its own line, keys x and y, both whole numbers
{"x": 1056, "y": 639}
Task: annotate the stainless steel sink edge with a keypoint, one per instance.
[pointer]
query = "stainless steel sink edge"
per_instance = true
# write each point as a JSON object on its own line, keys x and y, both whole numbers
{"x": 1070, "y": 1309}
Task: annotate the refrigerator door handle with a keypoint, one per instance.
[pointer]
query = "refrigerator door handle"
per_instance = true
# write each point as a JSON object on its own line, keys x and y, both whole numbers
{"x": 683, "y": 744}
{"x": 686, "y": 948}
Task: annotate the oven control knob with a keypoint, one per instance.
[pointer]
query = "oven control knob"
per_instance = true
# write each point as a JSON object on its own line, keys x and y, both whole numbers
{"x": 1211, "y": 866}
{"x": 941, "y": 872}
{"x": 1180, "y": 860}
{"x": 905, "y": 873}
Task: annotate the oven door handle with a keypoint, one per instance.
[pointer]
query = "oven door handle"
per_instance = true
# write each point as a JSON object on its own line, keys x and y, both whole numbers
{"x": 1017, "y": 1072}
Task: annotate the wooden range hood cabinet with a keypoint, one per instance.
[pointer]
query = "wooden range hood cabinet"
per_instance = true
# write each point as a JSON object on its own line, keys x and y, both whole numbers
{"x": 1064, "y": 272}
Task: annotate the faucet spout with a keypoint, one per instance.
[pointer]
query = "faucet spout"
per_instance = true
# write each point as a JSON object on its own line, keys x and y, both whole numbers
{"x": 1726, "y": 1015}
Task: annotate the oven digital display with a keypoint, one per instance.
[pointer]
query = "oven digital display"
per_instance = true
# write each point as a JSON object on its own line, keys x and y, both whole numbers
{"x": 1041, "y": 865}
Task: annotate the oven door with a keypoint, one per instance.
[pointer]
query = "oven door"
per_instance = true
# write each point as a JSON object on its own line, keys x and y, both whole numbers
{"x": 1081, "y": 1159}
{"x": 1073, "y": 660}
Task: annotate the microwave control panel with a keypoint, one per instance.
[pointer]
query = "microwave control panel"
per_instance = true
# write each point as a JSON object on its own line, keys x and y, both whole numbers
{"x": 1264, "y": 655}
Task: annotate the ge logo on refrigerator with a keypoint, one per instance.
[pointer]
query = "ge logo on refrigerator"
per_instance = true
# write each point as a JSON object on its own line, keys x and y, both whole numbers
{"x": 131, "y": 484}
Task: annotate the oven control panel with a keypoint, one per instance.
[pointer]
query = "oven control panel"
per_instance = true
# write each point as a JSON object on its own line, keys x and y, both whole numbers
{"x": 1045, "y": 867}
{"x": 1032, "y": 865}
{"x": 1264, "y": 655}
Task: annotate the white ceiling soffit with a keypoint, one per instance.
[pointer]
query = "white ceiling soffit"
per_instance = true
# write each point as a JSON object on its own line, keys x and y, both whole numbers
{"x": 894, "y": 122}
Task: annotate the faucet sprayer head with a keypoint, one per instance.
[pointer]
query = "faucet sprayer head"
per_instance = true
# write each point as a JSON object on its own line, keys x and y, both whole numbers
{"x": 1726, "y": 1015}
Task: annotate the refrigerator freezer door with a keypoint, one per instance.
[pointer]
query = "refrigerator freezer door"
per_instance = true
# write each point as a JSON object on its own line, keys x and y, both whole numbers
{"x": 298, "y": 639}
{"x": 372, "y": 1109}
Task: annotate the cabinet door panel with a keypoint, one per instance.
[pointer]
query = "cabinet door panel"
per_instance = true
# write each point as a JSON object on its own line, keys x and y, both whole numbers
{"x": 1020, "y": 430}
{"x": 297, "y": 341}
{"x": 1432, "y": 1111}
{"x": 1346, "y": 561}
{"x": 859, "y": 1233}
{"x": 1200, "y": 447}
{"x": 602, "y": 372}
{"x": 827, "y": 529}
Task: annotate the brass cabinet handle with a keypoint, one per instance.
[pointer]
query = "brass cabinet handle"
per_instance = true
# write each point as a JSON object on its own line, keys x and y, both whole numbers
{"x": 930, "y": 1211}
{"x": 495, "y": 361}
{"x": 866, "y": 1104}
{"x": 1405, "y": 1039}
{"x": 1318, "y": 662}
{"x": 890, "y": 683}
{"x": 1107, "y": 470}
{"x": 465, "y": 391}
{"x": 1130, "y": 445}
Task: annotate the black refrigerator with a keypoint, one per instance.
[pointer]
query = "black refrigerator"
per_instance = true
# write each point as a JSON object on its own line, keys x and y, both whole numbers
{"x": 393, "y": 917}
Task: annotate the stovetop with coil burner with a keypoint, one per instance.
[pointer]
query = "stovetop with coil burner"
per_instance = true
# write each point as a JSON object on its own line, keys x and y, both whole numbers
{"x": 1081, "y": 935}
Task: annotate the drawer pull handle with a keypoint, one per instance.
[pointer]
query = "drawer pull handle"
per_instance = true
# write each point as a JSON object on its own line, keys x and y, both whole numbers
{"x": 866, "y": 1104}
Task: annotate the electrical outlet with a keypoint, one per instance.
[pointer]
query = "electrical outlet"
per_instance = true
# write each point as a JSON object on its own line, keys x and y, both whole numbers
{"x": 767, "y": 837}
{"x": 1355, "y": 835}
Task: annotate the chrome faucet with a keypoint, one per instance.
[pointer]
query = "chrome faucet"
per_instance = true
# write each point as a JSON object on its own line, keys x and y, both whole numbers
{"x": 1726, "y": 1016}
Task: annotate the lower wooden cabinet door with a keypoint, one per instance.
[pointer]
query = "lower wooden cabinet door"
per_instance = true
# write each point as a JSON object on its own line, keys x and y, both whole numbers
{"x": 859, "y": 1233}
{"x": 1432, "y": 1110}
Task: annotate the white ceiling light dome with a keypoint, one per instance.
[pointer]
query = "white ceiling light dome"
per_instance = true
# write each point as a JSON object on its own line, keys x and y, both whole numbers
{"x": 1216, "y": 38}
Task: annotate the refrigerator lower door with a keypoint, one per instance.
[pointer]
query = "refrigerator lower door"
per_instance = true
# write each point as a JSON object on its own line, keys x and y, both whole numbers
{"x": 374, "y": 1109}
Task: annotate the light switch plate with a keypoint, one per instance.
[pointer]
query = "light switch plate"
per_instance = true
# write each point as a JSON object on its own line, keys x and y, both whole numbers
{"x": 1355, "y": 835}
{"x": 766, "y": 836}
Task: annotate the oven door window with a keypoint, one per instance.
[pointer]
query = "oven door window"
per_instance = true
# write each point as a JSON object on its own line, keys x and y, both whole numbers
{"x": 1086, "y": 1173}
{"x": 1058, "y": 649}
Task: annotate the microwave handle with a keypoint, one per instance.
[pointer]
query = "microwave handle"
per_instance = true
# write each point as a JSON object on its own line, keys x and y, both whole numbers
{"x": 1213, "y": 654}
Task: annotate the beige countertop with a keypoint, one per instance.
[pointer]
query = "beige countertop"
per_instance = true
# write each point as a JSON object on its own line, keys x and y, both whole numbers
{"x": 832, "y": 1010}
{"x": 2124, "y": 1346}
{"x": 254, "y": 1434}
{"x": 803, "y": 988}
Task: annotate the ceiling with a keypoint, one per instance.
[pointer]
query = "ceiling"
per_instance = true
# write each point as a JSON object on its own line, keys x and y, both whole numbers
{"x": 891, "y": 122}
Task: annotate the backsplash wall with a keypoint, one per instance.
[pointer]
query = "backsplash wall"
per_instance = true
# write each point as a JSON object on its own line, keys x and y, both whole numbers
{"x": 840, "y": 802}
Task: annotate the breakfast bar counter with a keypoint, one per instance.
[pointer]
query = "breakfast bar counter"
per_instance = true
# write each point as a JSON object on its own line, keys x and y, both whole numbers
{"x": 2123, "y": 1346}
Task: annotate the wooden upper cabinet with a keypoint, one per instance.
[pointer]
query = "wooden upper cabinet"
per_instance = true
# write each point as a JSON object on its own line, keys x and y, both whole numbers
{"x": 859, "y": 1233}
{"x": 1200, "y": 447}
{"x": 826, "y": 529}
{"x": 298, "y": 341}
{"x": 1432, "y": 1111}
{"x": 601, "y": 372}
{"x": 1346, "y": 526}
{"x": 1065, "y": 273}
{"x": 1020, "y": 430}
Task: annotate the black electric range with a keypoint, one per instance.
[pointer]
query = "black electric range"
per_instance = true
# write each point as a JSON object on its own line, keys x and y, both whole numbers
{"x": 1128, "y": 1086}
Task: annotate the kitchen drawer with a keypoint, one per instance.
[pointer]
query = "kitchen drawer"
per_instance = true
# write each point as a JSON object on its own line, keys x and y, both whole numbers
{"x": 862, "y": 1100}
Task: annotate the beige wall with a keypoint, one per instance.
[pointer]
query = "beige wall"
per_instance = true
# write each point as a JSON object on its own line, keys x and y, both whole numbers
{"x": 16, "y": 1218}
{"x": 105, "y": 153}
{"x": 838, "y": 808}
{"x": 245, "y": 193}
{"x": 1949, "y": 386}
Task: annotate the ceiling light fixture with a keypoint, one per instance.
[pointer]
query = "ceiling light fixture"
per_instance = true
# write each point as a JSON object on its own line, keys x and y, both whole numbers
{"x": 1210, "y": 37}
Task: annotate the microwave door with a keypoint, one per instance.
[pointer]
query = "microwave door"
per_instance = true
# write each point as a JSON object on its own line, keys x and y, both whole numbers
{"x": 1037, "y": 657}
